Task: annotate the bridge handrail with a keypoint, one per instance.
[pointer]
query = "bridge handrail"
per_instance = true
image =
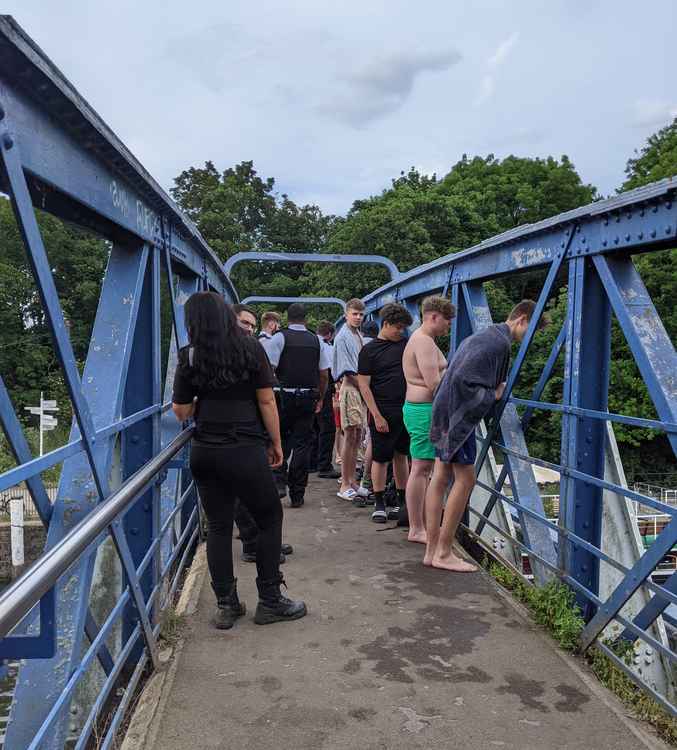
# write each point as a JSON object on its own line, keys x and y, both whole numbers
{"x": 254, "y": 298}
{"x": 275, "y": 257}
{"x": 19, "y": 598}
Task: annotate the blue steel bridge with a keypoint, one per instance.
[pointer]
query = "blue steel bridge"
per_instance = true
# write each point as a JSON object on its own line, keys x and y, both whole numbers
{"x": 391, "y": 655}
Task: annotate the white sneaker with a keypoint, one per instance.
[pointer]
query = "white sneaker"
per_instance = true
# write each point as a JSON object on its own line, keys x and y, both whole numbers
{"x": 348, "y": 494}
{"x": 362, "y": 492}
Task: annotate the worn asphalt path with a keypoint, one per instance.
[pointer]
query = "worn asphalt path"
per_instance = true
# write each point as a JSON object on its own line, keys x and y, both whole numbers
{"x": 392, "y": 655}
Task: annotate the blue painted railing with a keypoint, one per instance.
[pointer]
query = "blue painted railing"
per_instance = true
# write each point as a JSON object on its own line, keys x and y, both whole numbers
{"x": 55, "y": 152}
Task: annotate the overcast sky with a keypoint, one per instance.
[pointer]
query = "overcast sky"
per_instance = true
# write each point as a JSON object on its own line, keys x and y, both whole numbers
{"x": 333, "y": 99}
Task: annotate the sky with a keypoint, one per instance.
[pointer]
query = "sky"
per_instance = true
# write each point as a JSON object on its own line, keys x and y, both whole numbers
{"x": 335, "y": 99}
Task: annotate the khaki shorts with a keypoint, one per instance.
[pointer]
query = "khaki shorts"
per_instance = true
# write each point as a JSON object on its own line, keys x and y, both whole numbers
{"x": 352, "y": 408}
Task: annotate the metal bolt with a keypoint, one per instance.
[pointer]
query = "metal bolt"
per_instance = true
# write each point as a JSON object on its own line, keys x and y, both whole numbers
{"x": 604, "y": 242}
{"x": 2, "y": 113}
{"x": 616, "y": 240}
{"x": 641, "y": 213}
{"x": 667, "y": 229}
{"x": 627, "y": 237}
{"x": 606, "y": 221}
{"x": 654, "y": 209}
{"x": 653, "y": 232}
{"x": 668, "y": 205}
{"x": 7, "y": 141}
{"x": 640, "y": 235}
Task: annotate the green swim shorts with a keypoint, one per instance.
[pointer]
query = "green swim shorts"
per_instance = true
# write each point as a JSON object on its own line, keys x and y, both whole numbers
{"x": 417, "y": 419}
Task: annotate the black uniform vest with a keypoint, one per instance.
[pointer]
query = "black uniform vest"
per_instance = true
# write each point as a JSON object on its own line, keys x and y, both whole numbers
{"x": 299, "y": 365}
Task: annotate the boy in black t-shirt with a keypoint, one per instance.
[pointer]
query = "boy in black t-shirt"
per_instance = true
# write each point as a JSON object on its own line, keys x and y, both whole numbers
{"x": 383, "y": 388}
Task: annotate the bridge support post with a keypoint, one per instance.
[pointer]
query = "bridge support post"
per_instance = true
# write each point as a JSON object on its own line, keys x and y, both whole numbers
{"x": 586, "y": 385}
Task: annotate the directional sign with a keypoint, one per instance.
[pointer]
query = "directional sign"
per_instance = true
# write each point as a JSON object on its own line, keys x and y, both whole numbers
{"x": 49, "y": 406}
{"x": 33, "y": 409}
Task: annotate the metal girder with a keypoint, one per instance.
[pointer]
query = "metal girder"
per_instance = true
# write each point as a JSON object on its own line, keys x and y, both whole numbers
{"x": 586, "y": 385}
{"x": 317, "y": 257}
{"x": 76, "y": 166}
{"x": 288, "y": 300}
{"x": 640, "y": 220}
{"x": 103, "y": 381}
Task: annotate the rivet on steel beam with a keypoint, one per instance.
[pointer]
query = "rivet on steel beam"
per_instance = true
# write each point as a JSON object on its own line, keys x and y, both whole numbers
{"x": 654, "y": 209}
{"x": 641, "y": 213}
{"x": 667, "y": 229}
{"x": 653, "y": 232}
{"x": 616, "y": 240}
{"x": 583, "y": 240}
{"x": 627, "y": 237}
{"x": 7, "y": 141}
{"x": 668, "y": 205}
{"x": 2, "y": 113}
{"x": 604, "y": 242}
{"x": 640, "y": 235}
{"x": 606, "y": 221}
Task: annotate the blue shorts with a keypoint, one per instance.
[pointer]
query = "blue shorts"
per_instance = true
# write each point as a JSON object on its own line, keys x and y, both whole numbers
{"x": 465, "y": 455}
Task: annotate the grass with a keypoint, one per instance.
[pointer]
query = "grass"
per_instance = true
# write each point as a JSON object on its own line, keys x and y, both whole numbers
{"x": 554, "y": 607}
{"x": 171, "y": 627}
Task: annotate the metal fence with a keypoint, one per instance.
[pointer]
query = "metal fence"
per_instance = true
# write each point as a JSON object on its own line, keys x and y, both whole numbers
{"x": 30, "y": 508}
{"x": 594, "y": 546}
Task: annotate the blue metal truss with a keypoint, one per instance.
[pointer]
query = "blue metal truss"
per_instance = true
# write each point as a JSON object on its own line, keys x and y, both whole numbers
{"x": 56, "y": 153}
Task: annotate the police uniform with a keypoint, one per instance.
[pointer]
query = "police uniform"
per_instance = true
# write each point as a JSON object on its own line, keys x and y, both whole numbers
{"x": 298, "y": 358}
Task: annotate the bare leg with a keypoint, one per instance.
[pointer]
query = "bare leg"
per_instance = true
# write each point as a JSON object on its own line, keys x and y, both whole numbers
{"x": 400, "y": 470}
{"x": 351, "y": 437}
{"x": 464, "y": 481}
{"x": 417, "y": 485}
{"x": 367, "y": 464}
{"x": 442, "y": 474}
{"x": 379, "y": 474}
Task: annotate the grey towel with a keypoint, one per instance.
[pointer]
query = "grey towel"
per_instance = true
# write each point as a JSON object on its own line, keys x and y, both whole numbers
{"x": 468, "y": 389}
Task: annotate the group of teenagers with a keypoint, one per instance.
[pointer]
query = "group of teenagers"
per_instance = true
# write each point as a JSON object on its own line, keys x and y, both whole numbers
{"x": 265, "y": 407}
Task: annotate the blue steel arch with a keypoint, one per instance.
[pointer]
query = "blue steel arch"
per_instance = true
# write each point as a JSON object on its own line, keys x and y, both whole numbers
{"x": 288, "y": 300}
{"x": 311, "y": 258}
{"x": 57, "y": 153}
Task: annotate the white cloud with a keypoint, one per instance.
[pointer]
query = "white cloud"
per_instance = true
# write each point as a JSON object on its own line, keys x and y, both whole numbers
{"x": 653, "y": 112}
{"x": 383, "y": 85}
{"x": 488, "y": 83}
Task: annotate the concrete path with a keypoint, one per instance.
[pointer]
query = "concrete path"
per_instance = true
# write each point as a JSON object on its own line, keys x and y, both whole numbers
{"x": 392, "y": 655}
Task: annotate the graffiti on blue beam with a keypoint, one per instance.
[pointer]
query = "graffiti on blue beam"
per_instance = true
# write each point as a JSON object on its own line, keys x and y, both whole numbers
{"x": 379, "y": 260}
{"x": 254, "y": 299}
{"x": 78, "y": 169}
{"x": 640, "y": 220}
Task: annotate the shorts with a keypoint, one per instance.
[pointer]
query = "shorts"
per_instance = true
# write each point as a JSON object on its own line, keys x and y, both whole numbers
{"x": 465, "y": 455}
{"x": 396, "y": 440}
{"x": 417, "y": 418}
{"x": 352, "y": 408}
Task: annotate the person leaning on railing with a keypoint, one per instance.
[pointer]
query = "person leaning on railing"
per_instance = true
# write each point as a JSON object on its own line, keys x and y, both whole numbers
{"x": 223, "y": 379}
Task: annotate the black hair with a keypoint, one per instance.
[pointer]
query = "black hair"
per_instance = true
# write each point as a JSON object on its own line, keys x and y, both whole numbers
{"x": 296, "y": 312}
{"x": 223, "y": 353}
{"x": 370, "y": 329}
{"x": 395, "y": 314}
{"x": 239, "y": 308}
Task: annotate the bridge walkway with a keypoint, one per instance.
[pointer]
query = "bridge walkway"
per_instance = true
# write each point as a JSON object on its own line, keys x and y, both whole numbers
{"x": 392, "y": 655}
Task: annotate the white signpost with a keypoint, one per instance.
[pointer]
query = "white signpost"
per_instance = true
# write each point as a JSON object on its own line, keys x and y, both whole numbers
{"x": 47, "y": 421}
{"x": 16, "y": 520}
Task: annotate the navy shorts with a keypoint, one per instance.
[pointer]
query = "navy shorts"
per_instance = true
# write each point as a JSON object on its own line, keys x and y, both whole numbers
{"x": 465, "y": 455}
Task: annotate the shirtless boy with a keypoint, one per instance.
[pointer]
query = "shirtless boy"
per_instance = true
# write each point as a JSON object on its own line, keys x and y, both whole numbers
{"x": 424, "y": 365}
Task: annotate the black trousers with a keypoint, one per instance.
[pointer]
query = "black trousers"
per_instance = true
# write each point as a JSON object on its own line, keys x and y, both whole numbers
{"x": 247, "y": 527}
{"x": 325, "y": 432}
{"x": 296, "y": 427}
{"x": 223, "y": 473}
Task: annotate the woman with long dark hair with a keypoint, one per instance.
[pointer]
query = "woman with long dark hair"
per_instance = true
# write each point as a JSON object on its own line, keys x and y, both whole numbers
{"x": 224, "y": 380}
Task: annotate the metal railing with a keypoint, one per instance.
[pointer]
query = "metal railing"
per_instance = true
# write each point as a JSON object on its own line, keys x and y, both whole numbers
{"x": 594, "y": 545}
{"x": 18, "y": 601}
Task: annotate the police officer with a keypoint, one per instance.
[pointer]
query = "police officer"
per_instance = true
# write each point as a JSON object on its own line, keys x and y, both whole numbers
{"x": 302, "y": 369}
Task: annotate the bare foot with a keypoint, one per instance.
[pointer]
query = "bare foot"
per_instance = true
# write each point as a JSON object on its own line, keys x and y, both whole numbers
{"x": 417, "y": 536}
{"x": 429, "y": 554}
{"x": 451, "y": 562}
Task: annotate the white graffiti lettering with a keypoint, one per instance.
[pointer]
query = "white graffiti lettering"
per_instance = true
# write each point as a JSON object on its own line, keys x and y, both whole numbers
{"x": 120, "y": 198}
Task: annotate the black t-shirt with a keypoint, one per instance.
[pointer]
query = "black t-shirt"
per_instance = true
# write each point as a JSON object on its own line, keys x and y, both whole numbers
{"x": 383, "y": 361}
{"x": 225, "y": 414}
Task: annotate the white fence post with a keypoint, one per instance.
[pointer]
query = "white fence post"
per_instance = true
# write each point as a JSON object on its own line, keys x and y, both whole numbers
{"x": 16, "y": 519}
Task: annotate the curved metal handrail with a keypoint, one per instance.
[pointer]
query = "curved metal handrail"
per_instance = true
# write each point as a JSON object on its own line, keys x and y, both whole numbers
{"x": 311, "y": 258}
{"x": 288, "y": 300}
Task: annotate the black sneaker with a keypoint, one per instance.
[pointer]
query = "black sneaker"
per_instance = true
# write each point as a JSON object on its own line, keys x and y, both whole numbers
{"x": 379, "y": 515}
{"x": 296, "y": 502}
{"x": 359, "y": 501}
{"x": 250, "y": 557}
{"x": 393, "y": 513}
{"x": 329, "y": 474}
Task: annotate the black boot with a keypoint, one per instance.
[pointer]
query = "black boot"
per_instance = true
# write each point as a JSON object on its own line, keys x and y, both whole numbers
{"x": 273, "y": 606}
{"x": 229, "y": 608}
